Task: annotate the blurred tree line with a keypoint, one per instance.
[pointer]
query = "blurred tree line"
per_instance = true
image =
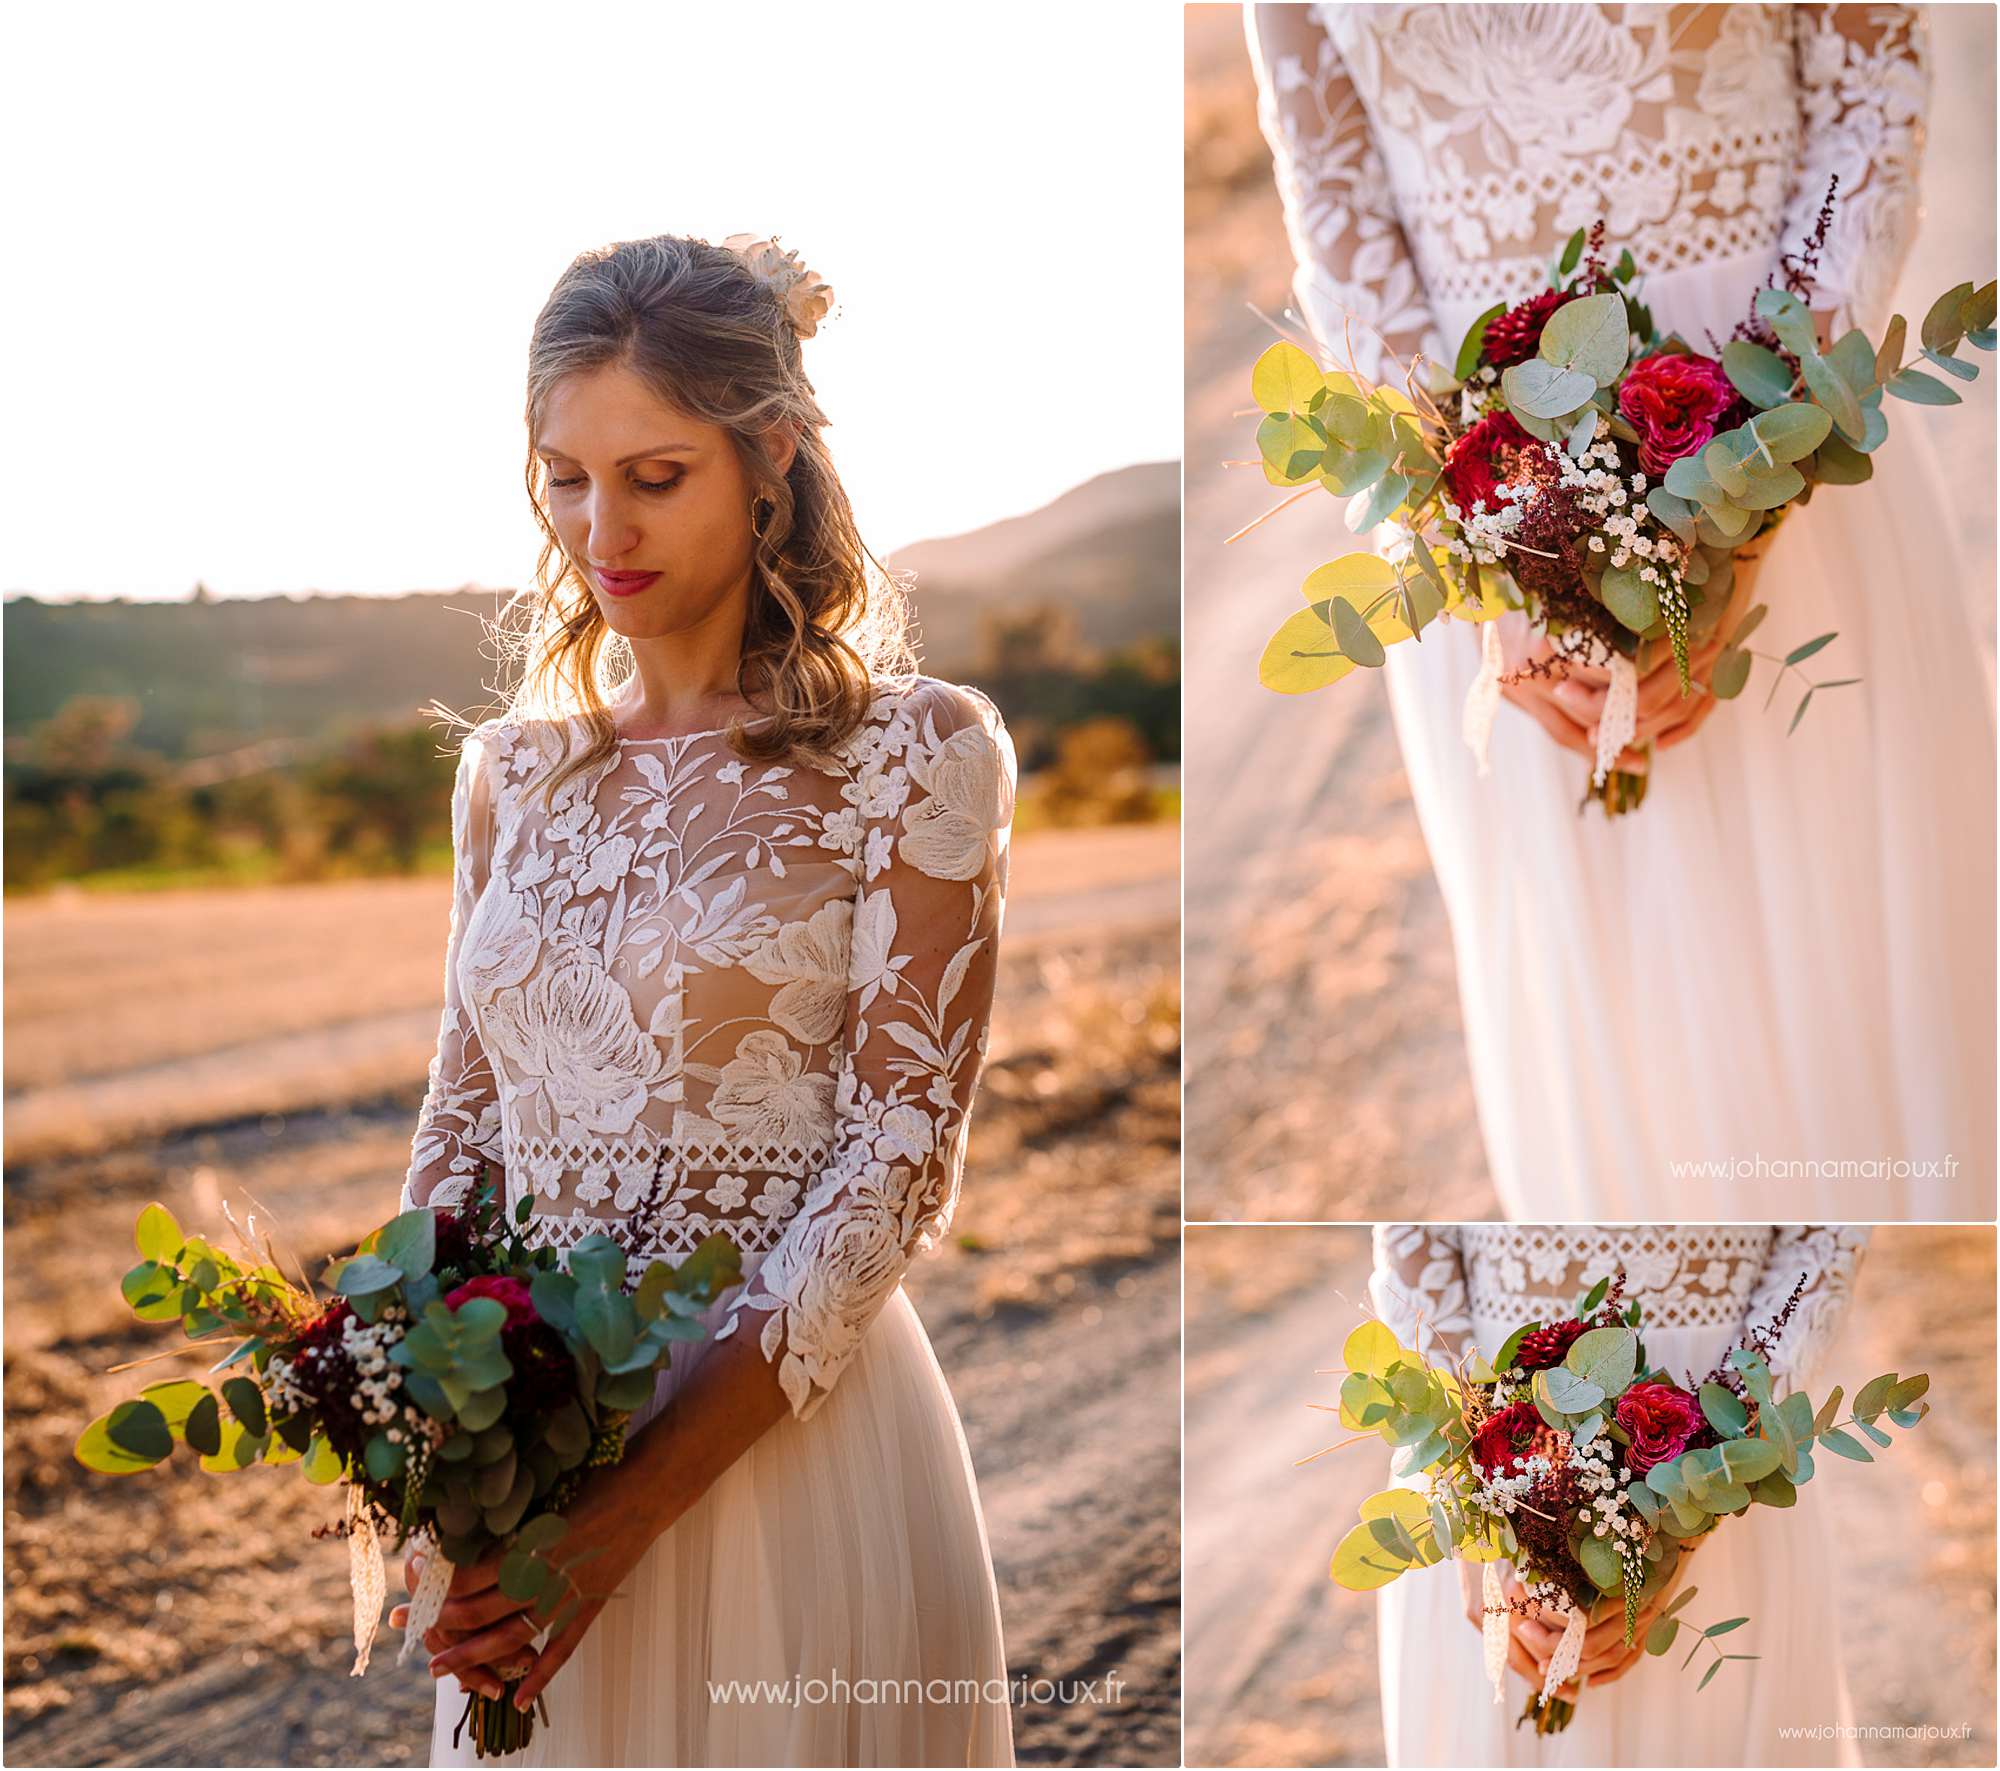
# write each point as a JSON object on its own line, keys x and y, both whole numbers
{"x": 84, "y": 796}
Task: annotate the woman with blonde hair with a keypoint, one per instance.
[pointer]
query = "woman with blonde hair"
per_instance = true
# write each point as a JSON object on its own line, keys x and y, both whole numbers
{"x": 727, "y": 902}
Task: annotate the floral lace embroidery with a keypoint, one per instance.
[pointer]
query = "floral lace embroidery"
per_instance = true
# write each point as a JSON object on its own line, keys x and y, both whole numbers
{"x": 1424, "y": 155}
{"x": 768, "y": 983}
{"x": 1444, "y": 1280}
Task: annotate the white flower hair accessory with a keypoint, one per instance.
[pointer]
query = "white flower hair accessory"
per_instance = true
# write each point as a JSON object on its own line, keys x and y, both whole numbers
{"x": 805, "y": 295}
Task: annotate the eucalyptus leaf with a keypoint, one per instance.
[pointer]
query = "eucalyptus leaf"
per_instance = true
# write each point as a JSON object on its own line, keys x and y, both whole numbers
{"x": 1759, "y": 375}
{"x": 1357, "y": 640}
{"x": 157, "y": 1236}
{"x": 1731, "y": 672}
{"x": 1590, "y": 336}
{"x": 1943, "y": 326}
{"x": 1630, "y": 598}
{"x": 1921, "y": 389}
{"x": 1285, "y": 379}
{"x": 1540, "y": 389}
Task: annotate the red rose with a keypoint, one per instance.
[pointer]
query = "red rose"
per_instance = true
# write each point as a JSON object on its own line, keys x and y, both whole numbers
{"x": 1661, "y": 1421}
{"x": 521, "y": 1311}
{"x": 1479, "y": 461}
{"x": 1515, "y": 336}
{"x": 1674, "y": 402}
{"x": 1548, "y": 1346}
{"x": 1505, "y": 1438}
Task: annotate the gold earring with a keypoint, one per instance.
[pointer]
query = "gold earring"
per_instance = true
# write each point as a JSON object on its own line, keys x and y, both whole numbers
{"x": 760, "y": 508}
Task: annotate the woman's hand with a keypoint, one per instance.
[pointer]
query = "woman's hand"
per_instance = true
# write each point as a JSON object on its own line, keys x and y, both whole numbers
{"x": 1606, "y": 1658}
{"x": 1470, "y": 1583}
{"x": 614, "y": 1527}
{"x": 479, "y": 1632}
{"x": 1569, "y": 707}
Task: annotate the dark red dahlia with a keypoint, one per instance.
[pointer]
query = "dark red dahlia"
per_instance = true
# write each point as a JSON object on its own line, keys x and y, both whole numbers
{"x": 1515, "y": 336}
{"x": 1549, "y": 1346}
{"x": 1489, "y": 455}
{"x": 1510, "y": 1435}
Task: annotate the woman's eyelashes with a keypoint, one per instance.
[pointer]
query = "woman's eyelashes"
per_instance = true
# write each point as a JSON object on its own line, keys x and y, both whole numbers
{"x": 666, "y": 485}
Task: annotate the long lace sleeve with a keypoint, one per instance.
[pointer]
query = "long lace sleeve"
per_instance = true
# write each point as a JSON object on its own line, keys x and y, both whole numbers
{"x": 934, "y": 802}
{"x": 1864, "y": 79}
{"x": 1352, "y": 255}
{"x": 459, "y": 1127}
{"x": 1418, "y": 1287}
{"x": 1826, "y": 1257}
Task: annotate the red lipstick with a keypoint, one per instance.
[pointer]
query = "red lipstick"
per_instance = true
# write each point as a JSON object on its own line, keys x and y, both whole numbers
{"x": 624, "y": 583}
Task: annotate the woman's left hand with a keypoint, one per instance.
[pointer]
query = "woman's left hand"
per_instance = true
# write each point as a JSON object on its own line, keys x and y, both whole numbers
{"x": 613, "y": 1526}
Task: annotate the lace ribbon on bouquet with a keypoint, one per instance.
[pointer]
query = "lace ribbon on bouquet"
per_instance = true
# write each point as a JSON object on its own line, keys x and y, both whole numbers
{"x": 1614, "y": 729}
{"x": 1569, "y": 1653}
{"x": 1494, "y": 1629}
{"x": 364, "y": 1577}
{"x": 433, "y": 1584}
{"x": 1620, "y": 718}
{"x": 1482, "y": 700}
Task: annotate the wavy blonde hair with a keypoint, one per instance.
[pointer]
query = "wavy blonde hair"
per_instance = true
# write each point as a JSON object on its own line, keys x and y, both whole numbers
{"x": 826, "y": 619}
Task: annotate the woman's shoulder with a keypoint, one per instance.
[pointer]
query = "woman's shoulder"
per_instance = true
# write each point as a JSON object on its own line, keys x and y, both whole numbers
{"x": 932, "y": 709}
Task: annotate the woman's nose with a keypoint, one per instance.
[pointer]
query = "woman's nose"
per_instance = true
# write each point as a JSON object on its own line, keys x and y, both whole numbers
{"x": 613, "y": 534}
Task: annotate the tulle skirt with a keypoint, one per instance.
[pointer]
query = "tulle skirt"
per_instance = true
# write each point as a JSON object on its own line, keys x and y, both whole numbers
{"x": 1770, "y": 1565}
{"x": 1768, "y": 993}
{"x": 829, "y": 1601}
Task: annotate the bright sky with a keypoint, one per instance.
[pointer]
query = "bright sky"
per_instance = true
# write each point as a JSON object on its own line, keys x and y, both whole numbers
{"x": 275, "y": 268}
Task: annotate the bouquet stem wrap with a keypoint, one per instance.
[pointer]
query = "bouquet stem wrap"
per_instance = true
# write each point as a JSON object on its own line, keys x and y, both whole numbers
{"x": 1568, "y": 1655}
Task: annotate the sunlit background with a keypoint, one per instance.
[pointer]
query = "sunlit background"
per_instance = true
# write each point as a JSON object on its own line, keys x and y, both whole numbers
{"x": 271, "y": 320}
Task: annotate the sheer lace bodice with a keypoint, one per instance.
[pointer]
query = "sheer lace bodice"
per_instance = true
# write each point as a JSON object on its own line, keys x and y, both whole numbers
{"x": 766, "y": 984}
{"x": 1475, "y": 1283}
{"x": 1431, "y": 159}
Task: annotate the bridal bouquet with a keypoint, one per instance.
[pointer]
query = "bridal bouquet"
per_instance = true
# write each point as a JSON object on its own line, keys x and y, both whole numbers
{"x": 1572, "y": 1456}
{"x": 1580, "y": 467}
{"x": 458, "y": 1382}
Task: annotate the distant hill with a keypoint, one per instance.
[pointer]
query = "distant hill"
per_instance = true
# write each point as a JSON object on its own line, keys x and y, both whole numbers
{"x": 1109, "y": 551}
{"x": 214, "y": 675}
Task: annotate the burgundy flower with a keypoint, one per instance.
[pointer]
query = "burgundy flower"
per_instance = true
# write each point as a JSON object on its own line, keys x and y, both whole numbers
{"x": 1548, "y": 1346}
{"x": 544, "y": 1373}
{"x": 1662, "y": 1421}
{"x": 1675, "y": 403}
{"x": 1515, "y": 336}
{"x": 1505, "y": 1438}
{"x": 457, "y": 1240}
{"x": 521, "y": 1311}
{"x": 1481, "y": 461}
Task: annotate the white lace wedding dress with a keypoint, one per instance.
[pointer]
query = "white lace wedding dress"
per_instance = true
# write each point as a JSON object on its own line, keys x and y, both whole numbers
{"x": 1702, "y": 1287}
{"x": 1786, "y": 955}
{"x": 771, "y": 983}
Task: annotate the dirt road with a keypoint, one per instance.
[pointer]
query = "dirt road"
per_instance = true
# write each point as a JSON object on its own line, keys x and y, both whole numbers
{"x": 183, "y": 1619}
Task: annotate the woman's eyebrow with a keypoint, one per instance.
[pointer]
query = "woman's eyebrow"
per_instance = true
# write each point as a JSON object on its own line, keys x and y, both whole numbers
{"x": 627, "y": 460}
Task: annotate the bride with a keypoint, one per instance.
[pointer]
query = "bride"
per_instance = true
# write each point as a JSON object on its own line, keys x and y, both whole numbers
{"x": 1702, "y": 1286}
{"x": 722, "y": 953}
{"x": 1776, "y": 980}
